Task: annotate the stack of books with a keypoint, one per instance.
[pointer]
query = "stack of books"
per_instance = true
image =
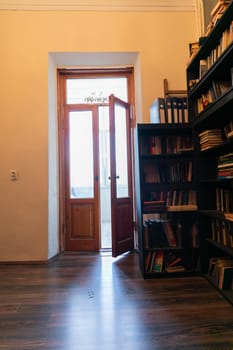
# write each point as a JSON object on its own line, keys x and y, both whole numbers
{"x": 216, "y": 14}
{"x": 211, "y": 138}
{"x": 225, "y": 166}
{"x": 173, "y": 262}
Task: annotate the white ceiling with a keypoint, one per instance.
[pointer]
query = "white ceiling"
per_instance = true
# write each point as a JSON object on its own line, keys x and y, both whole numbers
{"x": 99, "y": 5}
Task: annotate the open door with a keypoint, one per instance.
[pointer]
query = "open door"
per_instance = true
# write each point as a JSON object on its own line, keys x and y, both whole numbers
{"x": 121, "y": 177}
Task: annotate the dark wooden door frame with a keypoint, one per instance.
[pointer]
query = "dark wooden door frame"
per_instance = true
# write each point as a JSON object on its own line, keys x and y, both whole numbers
{"x": 62, "y": 75}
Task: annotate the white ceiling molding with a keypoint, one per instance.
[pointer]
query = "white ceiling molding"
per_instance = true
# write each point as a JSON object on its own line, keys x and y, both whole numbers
{"x": 99, "y": 5}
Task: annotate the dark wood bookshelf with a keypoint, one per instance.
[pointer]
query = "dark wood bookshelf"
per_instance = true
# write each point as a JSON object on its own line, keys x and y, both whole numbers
{"x": 175, "y": 208}
{"x": 212, "y": 40}
{"x": 209, "y": 110}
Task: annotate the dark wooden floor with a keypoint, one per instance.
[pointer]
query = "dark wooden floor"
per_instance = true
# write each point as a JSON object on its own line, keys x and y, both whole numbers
{"x": 95, "y": 302}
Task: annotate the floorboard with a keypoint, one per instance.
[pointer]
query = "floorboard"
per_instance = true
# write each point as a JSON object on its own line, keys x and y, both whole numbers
{"x": 95, "y": 302}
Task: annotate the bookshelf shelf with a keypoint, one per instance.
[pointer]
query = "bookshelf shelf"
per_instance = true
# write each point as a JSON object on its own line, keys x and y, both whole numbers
{"x": 210, "y": 100}
{"x": 166, "y": 202}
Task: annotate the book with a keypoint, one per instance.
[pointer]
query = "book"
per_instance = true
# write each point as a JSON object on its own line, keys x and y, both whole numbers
{"x": 203, "y": 68}
{"x": 179, "y": 234}
{"x": 171, "y": 259}
{"x": 216, "y": 269}
{"x": 178, "y": 268}
{"x": 175, "y": 261}
{"x": 194, "y": 236}
{"x": 156, "y": 235}
{"x": 168, "y": 102}
{"x": 212, "y": 263}
{"x": 193, "y": 47}
{"x": 169, "y": 234}
{"x": 152, "y": 262}
{"x": 228, "y": 129}
{"x": 147, "y": 261}
{"x": 174, "y": 106}
{"x": 180, "y": 110}
{"x": 158, "y": 261}
{"x": 218, "y": 6}
{"x": 185, "y": 110}
{"x": 210, "y": 138}
{"x": 158, "y": 111}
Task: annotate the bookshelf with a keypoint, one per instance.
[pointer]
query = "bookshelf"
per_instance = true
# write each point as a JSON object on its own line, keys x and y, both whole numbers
{"x": 166, "y": 200}
{"x": 210, "y": 102}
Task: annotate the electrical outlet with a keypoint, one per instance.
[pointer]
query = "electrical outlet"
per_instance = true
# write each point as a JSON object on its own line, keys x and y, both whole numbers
{"x": 14, "y": 175}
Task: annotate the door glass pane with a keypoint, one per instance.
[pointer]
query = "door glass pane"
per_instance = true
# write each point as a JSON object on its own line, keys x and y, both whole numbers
{"x": 104, "y": 168}
{"x": 121, "y": 152}
{"x": 81, "y": 155}
{"x": 95, "y": 90}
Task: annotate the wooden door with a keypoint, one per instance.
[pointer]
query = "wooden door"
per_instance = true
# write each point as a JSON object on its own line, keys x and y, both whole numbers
{"x": 81, "y": 178}
{"x": 121, "y": 177}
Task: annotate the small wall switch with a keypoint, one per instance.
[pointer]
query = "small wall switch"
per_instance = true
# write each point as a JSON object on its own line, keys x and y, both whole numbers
{"x": 14, "y": 175}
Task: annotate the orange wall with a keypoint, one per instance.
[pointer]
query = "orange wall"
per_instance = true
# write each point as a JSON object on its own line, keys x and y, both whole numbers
{"x": 27, "y": 38}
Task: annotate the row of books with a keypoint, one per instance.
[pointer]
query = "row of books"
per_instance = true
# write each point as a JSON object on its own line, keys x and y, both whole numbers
{"x": 225, "y": 166}
{"x": 222, "y": 232}
{"x": 224, "y": 42}
{"x": 169, "y": 144}
{"x": 169, "y": 110}
{"x": 210, "y": 138}
{"x": 216, "y": 89}
{"x": 171, "y": 197}
{"x": 221, "y": 272}
{"x": 216, "y": 14}
{"x": 168, "y": 172}
{"x": 160, "y": 261}
{"x": 161, "y": 233}
{"x": 224, "y": 199}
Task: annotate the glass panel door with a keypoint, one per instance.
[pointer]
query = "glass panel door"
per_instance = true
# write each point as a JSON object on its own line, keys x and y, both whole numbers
{"x": 104, "y": 166}
{"x": 121, "y": 177}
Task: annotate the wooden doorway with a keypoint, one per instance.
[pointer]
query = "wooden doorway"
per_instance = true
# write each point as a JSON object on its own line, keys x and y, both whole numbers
{"x": 80, "y": 173}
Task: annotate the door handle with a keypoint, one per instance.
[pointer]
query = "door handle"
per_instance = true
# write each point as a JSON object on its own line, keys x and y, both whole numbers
{"x": 116, "y": 177}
